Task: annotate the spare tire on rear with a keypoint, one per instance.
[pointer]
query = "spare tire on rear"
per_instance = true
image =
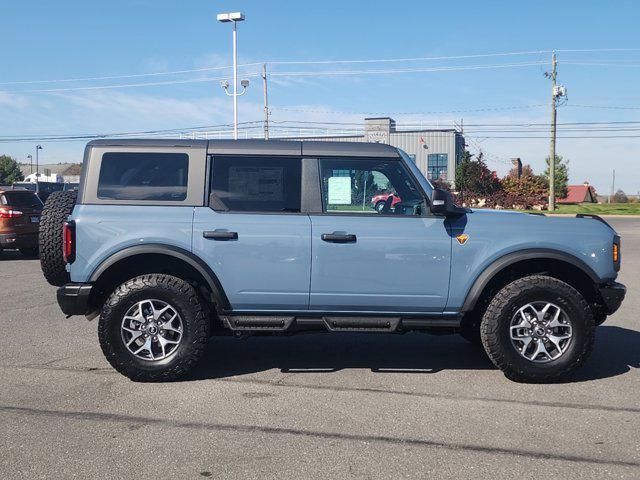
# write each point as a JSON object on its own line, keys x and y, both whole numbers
{"x": 57, "y": 208}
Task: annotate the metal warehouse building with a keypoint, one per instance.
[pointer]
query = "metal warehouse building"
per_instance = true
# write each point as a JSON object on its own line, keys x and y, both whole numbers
{"x": 436, "y": 152}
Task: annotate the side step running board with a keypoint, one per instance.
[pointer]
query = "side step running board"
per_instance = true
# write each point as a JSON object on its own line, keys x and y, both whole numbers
{"x": 281, "y": 323}
{"x": 365, "y": 324}
{"x": 251, "y": 322}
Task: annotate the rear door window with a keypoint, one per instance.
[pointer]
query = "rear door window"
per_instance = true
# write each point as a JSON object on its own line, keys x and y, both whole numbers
{"x": 143, "y": 176}
{"x": 256, "y": 184}
{"x": 20, "y": 200}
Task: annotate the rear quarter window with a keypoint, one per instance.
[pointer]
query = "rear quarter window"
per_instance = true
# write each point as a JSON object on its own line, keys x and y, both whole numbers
{"x": 143, "y": 176}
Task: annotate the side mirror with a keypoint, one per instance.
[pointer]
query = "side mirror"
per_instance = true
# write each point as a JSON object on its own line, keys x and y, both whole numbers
{"x": 442, "y": 204}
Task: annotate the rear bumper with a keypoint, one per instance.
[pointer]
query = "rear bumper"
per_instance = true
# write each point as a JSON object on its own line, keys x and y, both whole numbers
{"x": 612, "y": 295}
{"x": 16, "y": 240}
{"x": 73, "y": 298}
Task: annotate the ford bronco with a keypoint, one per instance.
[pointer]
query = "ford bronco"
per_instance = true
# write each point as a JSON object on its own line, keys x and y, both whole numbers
{"x": 171, "y": 242}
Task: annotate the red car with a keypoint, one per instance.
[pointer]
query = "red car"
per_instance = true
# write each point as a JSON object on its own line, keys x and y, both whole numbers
{"x": 19, "y": 221}
{"x": 378, "y": 201}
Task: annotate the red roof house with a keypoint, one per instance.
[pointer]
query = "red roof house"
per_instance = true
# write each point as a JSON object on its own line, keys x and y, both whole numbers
{"x": 584, "y": 193}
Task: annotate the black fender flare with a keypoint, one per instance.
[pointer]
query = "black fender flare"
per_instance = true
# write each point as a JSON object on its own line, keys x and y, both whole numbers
{"x": 503, "y": 262}
{"x": 180, "y": 253}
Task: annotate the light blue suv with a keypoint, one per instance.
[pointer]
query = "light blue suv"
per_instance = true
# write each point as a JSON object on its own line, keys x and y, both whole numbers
{"x": 171, "y": 242}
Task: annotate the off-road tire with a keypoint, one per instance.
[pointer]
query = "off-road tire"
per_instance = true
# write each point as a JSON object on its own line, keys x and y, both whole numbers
{"x": 180, "y": 295}
{"x": 57, "y": 208}
{"x": 380, "y": 206}
{"x": 496, "y": 321}
{"x": 29, "y": 252}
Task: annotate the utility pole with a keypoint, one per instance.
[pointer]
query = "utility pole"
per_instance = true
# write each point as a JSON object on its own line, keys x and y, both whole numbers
{"x": 613, "y": 186}
{"x": 266, "y": 101}
{"x": 552, "y": 155}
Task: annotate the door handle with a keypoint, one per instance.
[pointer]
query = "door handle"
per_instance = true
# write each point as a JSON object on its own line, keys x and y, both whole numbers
{"x": 339, "y": 238}
{"x": 218, "y": 235}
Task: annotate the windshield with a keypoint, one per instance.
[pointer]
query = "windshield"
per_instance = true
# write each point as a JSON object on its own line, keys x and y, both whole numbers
{"x": 428, "y": 188}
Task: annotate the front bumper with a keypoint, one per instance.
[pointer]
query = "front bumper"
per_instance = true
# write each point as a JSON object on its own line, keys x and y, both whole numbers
{"x": 15, "y": 240}
{"x": 73, "y": 298}
{"x": 612, "y": 295}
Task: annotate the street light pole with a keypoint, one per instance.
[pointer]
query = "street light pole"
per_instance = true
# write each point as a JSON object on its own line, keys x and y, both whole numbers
{"x": 234, "y": 17}
{"x": 30, "y": 157}
{"x": 235, "y": 81}
{"x": 38, "y": 147}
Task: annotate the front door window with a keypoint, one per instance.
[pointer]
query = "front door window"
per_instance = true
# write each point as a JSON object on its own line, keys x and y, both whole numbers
{"x": 369, "y": 187}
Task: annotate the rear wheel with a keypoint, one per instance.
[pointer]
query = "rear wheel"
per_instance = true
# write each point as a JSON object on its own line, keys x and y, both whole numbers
{"x": 57, "y": 208}
{"x": 538, "y": 329}
{"x": 153, "y": 328}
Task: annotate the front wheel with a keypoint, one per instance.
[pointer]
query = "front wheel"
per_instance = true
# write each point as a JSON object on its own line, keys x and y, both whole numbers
{"x": 153, "y": 328}
{"x": 538, "y": 329}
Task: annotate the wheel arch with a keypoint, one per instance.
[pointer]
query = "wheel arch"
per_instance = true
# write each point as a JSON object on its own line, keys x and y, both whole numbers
{"x": 140, "y": 259}
{"x": 558, "y": 264}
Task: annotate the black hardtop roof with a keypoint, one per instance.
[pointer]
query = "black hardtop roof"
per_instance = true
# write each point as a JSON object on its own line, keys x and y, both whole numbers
{"x": 261, "y": 147}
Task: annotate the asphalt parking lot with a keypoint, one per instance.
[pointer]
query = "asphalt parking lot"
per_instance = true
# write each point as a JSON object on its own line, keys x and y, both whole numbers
{"x": 313, "y": 406}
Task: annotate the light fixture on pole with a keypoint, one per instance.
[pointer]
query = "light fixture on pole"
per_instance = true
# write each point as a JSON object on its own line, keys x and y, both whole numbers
{"x": 234, "y": 17}
{"x": 30, "y": 158}
{"x": 38, "y": 147}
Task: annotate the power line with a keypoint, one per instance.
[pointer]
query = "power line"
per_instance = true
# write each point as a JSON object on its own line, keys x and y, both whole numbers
{"x": 125, "y": 85}
{"x": 602, "y": 64}
{"x": 403, "y": 70}
{"x": 224, "y": 67}
{"x": 612, "y": 107}
{"x": 409, "y": 59}
{"x": 483, "y": 109}
{"x": 324, "y": 62}
{"x": 280, "y": 74}
{"x": 135, "y": 75}
{"x": 591, "y": 50}
{"x": 86, "y": 136}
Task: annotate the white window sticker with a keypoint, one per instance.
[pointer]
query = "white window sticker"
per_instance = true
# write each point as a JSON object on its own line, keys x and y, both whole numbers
{"x": 259, "y": 183}
{"x": 339, "y": 191}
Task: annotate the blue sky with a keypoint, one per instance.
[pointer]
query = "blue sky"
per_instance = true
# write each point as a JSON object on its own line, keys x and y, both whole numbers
{"x": 45, "y": 40}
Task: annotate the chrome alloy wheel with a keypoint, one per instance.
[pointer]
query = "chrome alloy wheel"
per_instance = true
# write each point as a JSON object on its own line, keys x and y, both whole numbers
{"x": 540, "y": 332}
{"x": 151, "y": 329}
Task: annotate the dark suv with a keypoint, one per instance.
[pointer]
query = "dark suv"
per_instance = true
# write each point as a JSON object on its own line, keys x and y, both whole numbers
{"x": 19, "y": 220}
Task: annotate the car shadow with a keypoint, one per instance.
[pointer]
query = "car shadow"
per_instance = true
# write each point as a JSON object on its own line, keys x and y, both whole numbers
{"x": 616, "y": 352}
{"x": 6, "y": 255}
{"x": 413, "y": 353}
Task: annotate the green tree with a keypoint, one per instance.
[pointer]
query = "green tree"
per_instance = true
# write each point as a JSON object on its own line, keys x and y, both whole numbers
{"x": 9, "y": 170}
{"x": 561, "y": 176}
{"x": 528, "y": 185}
{"x": 620, "y": 197}
{"x": 474, "y": 179}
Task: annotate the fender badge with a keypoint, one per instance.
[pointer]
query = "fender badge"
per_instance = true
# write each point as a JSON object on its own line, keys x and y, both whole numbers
{"x": 462, "y": 238}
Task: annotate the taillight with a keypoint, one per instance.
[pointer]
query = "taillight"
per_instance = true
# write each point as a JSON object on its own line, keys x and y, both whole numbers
{"x": 9, "y": 213}
{"x": 69, "y": 241}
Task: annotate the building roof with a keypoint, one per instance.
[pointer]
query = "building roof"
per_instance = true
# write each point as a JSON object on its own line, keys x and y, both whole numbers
{"x": 584, "y": 193}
